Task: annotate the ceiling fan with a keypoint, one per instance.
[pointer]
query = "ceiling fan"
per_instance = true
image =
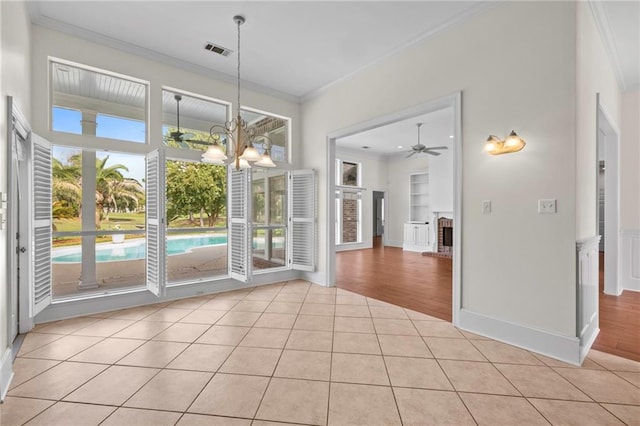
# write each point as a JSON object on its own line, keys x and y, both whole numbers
{"x": 177, "y": 136}
{"x": 420, "y": 148}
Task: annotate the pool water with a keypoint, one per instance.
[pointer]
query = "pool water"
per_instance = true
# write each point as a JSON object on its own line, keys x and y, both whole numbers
{"x": 137, "y": 250}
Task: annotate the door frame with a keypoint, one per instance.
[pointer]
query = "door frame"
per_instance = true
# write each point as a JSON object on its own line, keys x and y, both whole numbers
{"x": 17, "y": 289}
{"x": 610, "y": 139}
{"x": 453, "y": 100}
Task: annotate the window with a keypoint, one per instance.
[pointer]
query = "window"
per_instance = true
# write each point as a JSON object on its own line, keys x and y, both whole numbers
{"x": 196, "y": 200}
{"x": 269, "y": 200}
{"x": 186, "y": 119}
{"x": 130, "y": 218}
{"x": 97, "y": 103}
{"x": 350, "y": 175}
{"x": 98, "y": 234}
{"x": 67, "y": 120}
{"x": 276, "y": 128}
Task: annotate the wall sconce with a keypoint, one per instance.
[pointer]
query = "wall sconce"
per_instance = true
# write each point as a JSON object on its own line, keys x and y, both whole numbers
{"x": 513, "y": 143}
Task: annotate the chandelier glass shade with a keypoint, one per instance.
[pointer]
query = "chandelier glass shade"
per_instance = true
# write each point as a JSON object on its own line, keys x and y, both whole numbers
{"x": 238, "y": 136}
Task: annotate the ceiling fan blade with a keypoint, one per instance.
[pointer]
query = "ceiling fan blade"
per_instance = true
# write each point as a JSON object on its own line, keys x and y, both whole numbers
{"x": 412, "y": 153}
{"x": 186, "y": 136}
{"x": 436, "y": 147}
{"x": 434, "y": 153}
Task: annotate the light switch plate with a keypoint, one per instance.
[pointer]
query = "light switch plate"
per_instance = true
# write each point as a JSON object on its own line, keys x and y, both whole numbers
{"x": 486, "y": 207}
{"x": 547, "y": 206}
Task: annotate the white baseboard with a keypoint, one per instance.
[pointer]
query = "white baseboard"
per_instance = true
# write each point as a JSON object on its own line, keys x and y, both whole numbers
{"x": 563, "y": 348}
{"x": 100, "y": 303}
{"x": 353, "y": 246}
{"x": 315, "y": 277}
{"x": 630, "y": 262}
{"x": 394, "y": 243}
{"x": 6, "y": 372}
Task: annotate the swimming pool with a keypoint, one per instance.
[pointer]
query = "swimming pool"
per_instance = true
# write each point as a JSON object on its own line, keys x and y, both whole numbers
{"x": 136, "y": 249}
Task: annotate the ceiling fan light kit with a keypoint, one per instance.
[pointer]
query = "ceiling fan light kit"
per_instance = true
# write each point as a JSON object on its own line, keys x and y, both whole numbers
{"x": 420, "y": 148}
{"x": 513, "y": 143}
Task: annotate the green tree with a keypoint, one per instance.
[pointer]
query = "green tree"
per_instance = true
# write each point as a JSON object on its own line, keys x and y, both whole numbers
{"x": 112, "y": 187}
{"x": 113, "y": 190}
{"x": 196, "y": 188}
{"x": 66, "y": 189}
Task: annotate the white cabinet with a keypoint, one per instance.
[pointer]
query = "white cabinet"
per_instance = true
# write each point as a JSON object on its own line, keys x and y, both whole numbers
{"x": 417, "y": 237}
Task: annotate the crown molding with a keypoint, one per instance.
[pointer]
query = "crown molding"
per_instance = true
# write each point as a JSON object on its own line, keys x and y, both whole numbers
{"x": 480, "y": 7}
{"x": 53, "y": 24}
{"x": 606, "y": 34}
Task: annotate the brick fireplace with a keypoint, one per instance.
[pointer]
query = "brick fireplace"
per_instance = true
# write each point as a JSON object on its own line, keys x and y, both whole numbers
{"x": 445, "y": 237}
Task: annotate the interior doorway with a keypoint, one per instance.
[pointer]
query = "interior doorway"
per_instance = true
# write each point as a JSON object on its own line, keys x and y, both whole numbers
{"x": 608, "y": 202}
{"x": 385, "y": 268}
{"x": 378, "y": 218}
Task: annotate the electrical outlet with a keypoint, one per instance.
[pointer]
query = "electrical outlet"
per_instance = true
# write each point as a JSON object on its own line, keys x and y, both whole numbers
{"x": 486, "y": 207}
{"x": 547, "y": 206}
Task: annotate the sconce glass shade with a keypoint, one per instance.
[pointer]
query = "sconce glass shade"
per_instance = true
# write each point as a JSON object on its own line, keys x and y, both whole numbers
{"x": 493, "y": 144}
{"x": 513, "y": 143}
{"x": 250, "y": 154}
{"x": 265, "y": 161}
{"x": 214, "y": 155}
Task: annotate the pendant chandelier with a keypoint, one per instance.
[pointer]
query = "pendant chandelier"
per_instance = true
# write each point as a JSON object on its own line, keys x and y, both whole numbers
{"x": 238, "y": 135}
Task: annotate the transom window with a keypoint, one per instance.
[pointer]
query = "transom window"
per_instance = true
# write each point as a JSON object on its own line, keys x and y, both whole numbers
{"x": 97, "y": 103}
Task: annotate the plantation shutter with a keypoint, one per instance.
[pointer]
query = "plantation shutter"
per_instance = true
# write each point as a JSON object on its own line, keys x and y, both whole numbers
{"x": 302, "y": 210}
{"x": 155, "y": 208}
{"x": 42, "y": 223}
{"x": 240, "y": 233}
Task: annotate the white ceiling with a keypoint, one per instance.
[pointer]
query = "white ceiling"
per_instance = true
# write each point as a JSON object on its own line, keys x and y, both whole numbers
{"x": 294, "y": 49}
{"x": 290, "y": 47}
{"x": 437, "y": 129}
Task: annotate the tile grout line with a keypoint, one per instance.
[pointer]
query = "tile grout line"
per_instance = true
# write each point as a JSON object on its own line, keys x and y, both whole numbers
{"x": 384, "y": 362}
{"x": 275, "y": 367}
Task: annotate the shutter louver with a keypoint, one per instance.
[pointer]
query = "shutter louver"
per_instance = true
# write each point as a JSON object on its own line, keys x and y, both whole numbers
{"x": 240, "y": 249}
{"x": 156, "y": 244}
{"x": 42, "y": 223}
{"x": 302, "y": 221}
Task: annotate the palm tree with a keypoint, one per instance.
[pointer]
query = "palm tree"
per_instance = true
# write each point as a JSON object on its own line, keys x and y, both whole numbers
{"x": 112, "y": 187}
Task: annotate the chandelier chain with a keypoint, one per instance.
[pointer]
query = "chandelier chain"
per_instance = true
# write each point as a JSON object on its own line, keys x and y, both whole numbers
{"x": 238, "y": 24}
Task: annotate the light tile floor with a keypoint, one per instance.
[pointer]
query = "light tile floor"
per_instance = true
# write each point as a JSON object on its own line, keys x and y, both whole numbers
{"x": 297, "y": 353}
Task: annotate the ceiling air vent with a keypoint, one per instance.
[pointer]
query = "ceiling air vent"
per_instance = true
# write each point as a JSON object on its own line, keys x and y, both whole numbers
{"x": 217, "y": 49}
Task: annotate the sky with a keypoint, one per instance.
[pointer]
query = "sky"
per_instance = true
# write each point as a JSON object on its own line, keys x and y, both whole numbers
{"x": 67, "y": 120}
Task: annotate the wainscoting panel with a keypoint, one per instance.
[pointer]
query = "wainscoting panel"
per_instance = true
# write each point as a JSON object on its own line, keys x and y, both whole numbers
{"x": 630, "y": 265}
{"x": 587, "y": 275}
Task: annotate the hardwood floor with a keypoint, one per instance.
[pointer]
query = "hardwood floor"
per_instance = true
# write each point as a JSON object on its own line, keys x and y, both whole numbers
{"x": 619, "y": 322}
{"x": 424, "y": 284}
{"x": 405, "y": 279}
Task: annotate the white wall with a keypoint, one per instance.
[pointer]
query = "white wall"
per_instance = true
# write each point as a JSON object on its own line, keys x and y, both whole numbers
{"x": 47, "y": 43}
{"x": 594, "y": 75}
{"x": 373, "y": 169}
{"x": 630, "y": 162}
{"x": 399, "y": 169}
{"x": 630, "y": 191}
{"x": 515, "y": 65}
{"x": 15, "y": 69}
{"x": 441, "y": 176}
